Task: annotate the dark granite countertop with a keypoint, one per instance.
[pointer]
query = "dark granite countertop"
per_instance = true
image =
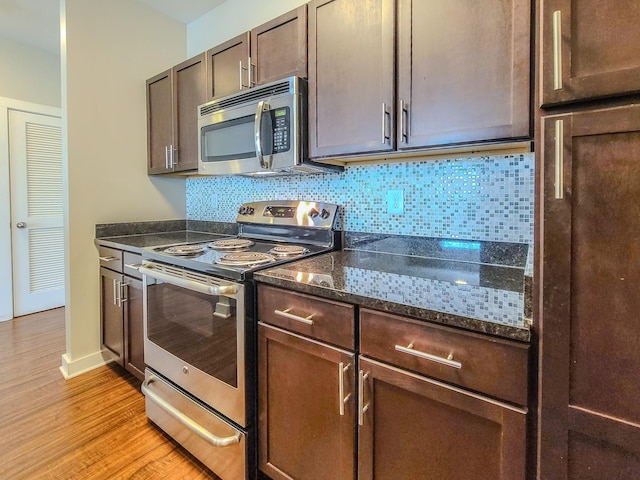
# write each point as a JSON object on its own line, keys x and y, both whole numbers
{"x": 486, "y": 298}
{"x": 135, "y": 236}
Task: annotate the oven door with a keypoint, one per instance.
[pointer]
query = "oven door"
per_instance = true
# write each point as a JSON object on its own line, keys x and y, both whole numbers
{"x": 194, "y": 335}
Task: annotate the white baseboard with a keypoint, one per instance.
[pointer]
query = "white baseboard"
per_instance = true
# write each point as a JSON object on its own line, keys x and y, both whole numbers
{"x": 73, "y": 368}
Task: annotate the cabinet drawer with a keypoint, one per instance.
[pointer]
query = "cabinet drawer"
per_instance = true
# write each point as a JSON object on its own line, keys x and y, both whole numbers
{"x": 110, "y": 258}
{"x": 131, "y": 263}
{"x": 325, "y": 320}
{"x": 485, "y": 364}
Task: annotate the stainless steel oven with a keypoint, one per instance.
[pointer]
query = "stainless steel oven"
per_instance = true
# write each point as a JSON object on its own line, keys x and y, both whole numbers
{"x": 200, "y": 328}
{"x": 195, "y": 336}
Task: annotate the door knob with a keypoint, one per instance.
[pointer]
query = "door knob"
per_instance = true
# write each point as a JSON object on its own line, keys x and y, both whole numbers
{"x": 21, "y": 225}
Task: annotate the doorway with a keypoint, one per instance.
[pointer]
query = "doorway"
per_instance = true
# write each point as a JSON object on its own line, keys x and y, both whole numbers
{"x": 35, "y": 277}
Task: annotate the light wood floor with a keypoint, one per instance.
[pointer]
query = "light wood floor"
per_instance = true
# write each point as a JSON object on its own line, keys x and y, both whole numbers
{"x": 89, "y": 427}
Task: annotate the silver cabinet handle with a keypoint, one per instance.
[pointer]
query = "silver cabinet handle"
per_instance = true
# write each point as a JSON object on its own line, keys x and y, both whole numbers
{"x": 189, "y": 284}
{"x": 124, "y": 289}
{"x": 21, "y": 225}
{"x": 557, "y": 50}
{"x": 342, "y": 369}
{"x": 166, "y": 157}
{"x": 285, "y": 313}
{"x": 361, "y": 406}
{"x": 385, "y": 114}
{"x": 172, "y": 159}
{"x": 242, "y": 85}
{"x": 185, "y": 420}
{"x": 240, "y": 75}
{"x": 250, "y": 74}
{"x": 115, "y": 292}
{"x": 559, "y": 160}
{"x": 134, "y": 266}
{"x": 404, "y": 113}
{"x": 108, "y": 259}
{"x": 449, "y": 362}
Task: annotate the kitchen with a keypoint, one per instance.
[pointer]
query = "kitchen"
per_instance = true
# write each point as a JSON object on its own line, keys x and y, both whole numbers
{"x": 133, "y": 195}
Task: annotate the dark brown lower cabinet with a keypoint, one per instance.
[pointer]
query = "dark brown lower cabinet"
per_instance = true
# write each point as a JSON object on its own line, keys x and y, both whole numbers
{"x": 589, "y": 419}
{"x": 121, "y": 309}
{"x": 413, "y": 427}
{"x": 307, "y": 407}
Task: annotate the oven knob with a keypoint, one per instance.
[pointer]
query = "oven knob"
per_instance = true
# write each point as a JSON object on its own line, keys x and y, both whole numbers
{"x": 325, "y": 213}
{"x": 313, "y": 213}
{"x": 242, "y": 210}
{"x": 185, "y": 370}
{"x": 250, "y": 210}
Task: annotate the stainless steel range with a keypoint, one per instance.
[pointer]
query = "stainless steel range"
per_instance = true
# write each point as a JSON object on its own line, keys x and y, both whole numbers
{"x": 200, "y": 328}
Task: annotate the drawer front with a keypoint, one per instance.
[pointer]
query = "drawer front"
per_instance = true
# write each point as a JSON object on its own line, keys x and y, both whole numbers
{"x": 496, "y": 367}
{"x": 110, "y": 258}
{"x": 131, "y": 263}
{"x": 325, "y": 320}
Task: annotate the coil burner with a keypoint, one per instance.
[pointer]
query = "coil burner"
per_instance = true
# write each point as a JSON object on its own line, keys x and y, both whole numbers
{"x": 288, "y": 250}
{"x": 245, "y": 258}
{"x": 230, "y": 244}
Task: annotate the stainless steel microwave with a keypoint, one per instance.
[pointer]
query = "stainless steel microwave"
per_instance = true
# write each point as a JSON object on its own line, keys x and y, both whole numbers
{"x": 259, "y": 131}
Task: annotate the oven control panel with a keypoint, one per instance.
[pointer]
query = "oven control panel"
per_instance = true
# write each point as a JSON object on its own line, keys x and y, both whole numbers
{"x": 289, "y": 212}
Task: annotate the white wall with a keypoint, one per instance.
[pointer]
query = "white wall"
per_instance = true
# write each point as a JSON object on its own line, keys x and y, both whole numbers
{"x": 232, "y": 18}
{"x": 111, "y": 48}
{"x": 29, "y": 74}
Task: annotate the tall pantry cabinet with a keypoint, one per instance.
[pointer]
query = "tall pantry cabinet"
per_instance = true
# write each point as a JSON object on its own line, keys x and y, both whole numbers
{"x": 589, "y": 414}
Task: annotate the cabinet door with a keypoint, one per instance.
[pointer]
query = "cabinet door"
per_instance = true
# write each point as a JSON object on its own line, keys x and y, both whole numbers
{"x": 351, "y": 77}
{"x": 589, "y": 49}
{"x": 159, "y": 122}
{"x": 305, "y": 432}
{"x": 463, "y": 71}
{"x": 189, "y": 91}
{"x": 111, "y": 313}
{"x": 279, "y": 47}
{"x": 590, "y": 368}
{"x": 414, "y": 427}
{"x": 227, "y": 67}
{"x": 134, "y": 327}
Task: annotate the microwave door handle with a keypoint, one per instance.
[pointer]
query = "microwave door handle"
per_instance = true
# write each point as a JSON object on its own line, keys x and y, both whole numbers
{"x": 262, "y": 106}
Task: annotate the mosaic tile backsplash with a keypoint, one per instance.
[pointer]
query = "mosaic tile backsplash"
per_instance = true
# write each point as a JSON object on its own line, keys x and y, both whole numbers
{"x": 481, "y": 198}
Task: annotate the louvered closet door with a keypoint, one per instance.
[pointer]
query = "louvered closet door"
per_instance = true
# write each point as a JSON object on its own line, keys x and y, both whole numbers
{"x": 35, "y": 159}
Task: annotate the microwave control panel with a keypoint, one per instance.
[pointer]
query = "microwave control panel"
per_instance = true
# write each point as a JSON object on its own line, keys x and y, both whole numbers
{"x": 280, "y": 119}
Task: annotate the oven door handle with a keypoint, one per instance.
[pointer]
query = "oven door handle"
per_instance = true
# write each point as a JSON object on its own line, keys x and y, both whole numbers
{"x": 190, "y": 284}
{"x": 185, "y": 420}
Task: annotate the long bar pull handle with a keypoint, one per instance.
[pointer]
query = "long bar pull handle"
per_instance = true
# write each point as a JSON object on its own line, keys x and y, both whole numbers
{"x": 559, "y": 160}
{"x": 285, "y": 313}
{"x": 118, "y": 293}
{"x": 124, "y": 289}
{"x": 115, "y": 291}
{"x": 404, "y": 113}
{"x": 449, "y": 362}
{"x": 172, "y": 156}
{"x": 108, "y": 259}
{"x": 262, "y": 106}
{"x": 557, "y": 50}
{"x": 342, "y": 369}
{"x": 240, "y": 75}
{"x": 189, "y": 284}
{"x": 361, "y": 406}
{"x": 385, "y": 132}
{"x": 185, "y": 420}
{"x": 250, "y": 74}
{"x": 166, "y": 157}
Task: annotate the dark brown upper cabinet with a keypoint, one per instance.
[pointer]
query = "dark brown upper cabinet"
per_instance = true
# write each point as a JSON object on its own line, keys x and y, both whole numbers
{"x": 463, "y": 71}
{"x": 589, "y": 419}
{"x": 351, "y": 77}
{"x": 462, "y": 74}
{"x": 172, "y": 98}
{"x": 274, "y": 50}
{"x": 279, "y": 47}
{"x": 589, "y": 49}
{"x": 228, "y": 67}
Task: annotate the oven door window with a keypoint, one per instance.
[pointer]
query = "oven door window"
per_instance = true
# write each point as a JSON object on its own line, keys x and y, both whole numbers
{"x": 201, "y": 330}
{"x": 230, "y": 140}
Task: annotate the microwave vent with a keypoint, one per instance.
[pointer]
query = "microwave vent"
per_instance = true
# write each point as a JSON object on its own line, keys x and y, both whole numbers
{"x": 247, "y": 96}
